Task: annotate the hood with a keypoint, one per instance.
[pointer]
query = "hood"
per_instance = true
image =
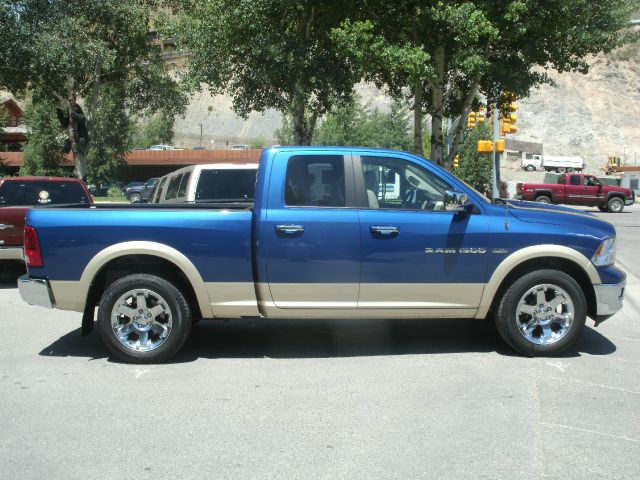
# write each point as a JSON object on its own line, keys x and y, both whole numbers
{"x": 534, "y": 212}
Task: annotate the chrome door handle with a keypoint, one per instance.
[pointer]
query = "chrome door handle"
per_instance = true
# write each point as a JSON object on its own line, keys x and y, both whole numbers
{"x": 384, "y": 229}
{"x": 4, "y": 225}
{"x": 290, "y": 229}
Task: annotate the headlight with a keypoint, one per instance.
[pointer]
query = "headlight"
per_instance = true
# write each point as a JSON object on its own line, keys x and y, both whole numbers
{"x": 606, "y": 253}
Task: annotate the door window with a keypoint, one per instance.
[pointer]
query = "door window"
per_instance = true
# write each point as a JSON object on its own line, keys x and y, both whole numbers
{"x": 172, "y": 188}
{"x": 591, "y": 182}
{"x": 394, "y": 183}
{"x": 315, "y": 180}
{"x": 574, "y": 180}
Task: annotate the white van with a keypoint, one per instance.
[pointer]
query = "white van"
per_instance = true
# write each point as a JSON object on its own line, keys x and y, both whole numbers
{"x": 207, "y": 183}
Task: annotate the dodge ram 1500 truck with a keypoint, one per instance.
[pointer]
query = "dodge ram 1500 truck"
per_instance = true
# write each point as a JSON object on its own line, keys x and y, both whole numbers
{"x": 578, "y": 189}
{"x": 333, "y": 232}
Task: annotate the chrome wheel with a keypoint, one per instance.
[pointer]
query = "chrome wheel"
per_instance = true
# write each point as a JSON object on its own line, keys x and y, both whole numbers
{"x": 141, "y": 320}
{"x": 544, "y": 314}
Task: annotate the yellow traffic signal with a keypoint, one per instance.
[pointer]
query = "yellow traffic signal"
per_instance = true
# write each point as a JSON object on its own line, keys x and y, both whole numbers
{"x": 507, "y": 125}
{"x": 471, "y": 120}
{"x": 500, "y": 146}
{"x": 485, "y": 146}
{"x": 480, "y": 116}
{"x": 456, "y": 161}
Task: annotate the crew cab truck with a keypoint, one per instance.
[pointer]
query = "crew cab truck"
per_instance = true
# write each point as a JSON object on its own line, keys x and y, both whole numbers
{"x": 578, "y": 189}
{"x": 326, "y": 238}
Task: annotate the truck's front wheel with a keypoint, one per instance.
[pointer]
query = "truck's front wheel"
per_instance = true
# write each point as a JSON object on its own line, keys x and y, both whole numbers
{"x": 542, "y": 313}
{"x": 143, "y": 319}
{"x": 615, "y": 205}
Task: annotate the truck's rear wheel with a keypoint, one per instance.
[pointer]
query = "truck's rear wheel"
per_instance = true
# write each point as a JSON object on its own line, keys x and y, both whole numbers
{"x": 143, "y": 319}
{"x": 543, "y": 313}
{"x": 543, "y": 199}
{"x": 615, "y": 205}
{"x": 561, "y": 169}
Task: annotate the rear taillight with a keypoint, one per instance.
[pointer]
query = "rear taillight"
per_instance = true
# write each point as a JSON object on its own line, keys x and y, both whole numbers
{"x": 32, "y": 253}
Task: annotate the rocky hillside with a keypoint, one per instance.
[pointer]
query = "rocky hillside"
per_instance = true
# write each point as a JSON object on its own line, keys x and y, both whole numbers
{"x": 591, "y": 115}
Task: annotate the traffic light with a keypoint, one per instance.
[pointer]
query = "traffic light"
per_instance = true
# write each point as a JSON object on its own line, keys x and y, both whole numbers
{"x": 508, "y": 121}
{"x": 456, "y": 161}
{"x": 485, "y": 146}
{"x": 471, "y": 120}
{"x": 480, "y": 116}
{"x": 500, "y": 146}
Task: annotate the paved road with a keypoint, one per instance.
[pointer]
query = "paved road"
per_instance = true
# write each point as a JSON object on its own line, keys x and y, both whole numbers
{"x": 322, "y": 399}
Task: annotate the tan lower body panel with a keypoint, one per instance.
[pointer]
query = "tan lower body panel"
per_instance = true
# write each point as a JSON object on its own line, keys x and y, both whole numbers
{"x": 389, "y": 300}
{"x": 67, "y": 295}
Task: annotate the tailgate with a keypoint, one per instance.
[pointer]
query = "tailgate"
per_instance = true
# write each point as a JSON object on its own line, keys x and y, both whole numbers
{"x": 11, "y": 226}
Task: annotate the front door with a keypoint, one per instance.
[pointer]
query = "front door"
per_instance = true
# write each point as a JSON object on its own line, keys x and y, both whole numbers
{"x": 415, "y": 255}
{"x": 310, "y": 238}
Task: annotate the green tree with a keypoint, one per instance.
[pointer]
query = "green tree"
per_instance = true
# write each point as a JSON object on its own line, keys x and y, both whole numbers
{"x": 111, "y": 137}
{"x": 447, "y": 53}
{"x": 354, "y": 124}
{"x": 475, "y": 168}
{"x": 43, "y": 152}
{"x": 75, "y": 49}
{"x": 157, "y": 129}
{"x": 269, "y": 54}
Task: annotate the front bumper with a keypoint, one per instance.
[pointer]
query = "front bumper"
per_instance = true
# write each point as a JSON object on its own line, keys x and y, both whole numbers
{"x": 609, "y": 299}
{"x": 11, "y": 253}
{"x": 630, "y": 200}
{"x": 35, "y": 291}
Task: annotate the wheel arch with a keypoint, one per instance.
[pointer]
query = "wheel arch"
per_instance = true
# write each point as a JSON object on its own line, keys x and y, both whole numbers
{"x": 538, "y": 257}
{"x": 121, "y": 259}
{"x": 541, "y": 193}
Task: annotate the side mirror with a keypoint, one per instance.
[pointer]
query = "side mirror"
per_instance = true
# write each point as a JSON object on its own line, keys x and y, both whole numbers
{"x": 456, "y": 201}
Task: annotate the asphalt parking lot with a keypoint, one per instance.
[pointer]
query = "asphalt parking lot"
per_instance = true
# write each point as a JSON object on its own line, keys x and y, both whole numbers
{"x": 442, "y": 399}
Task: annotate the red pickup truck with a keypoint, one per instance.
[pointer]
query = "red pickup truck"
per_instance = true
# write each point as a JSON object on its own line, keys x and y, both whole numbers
{"x": 578, "y": 189}
{"x": 18, "y": 194}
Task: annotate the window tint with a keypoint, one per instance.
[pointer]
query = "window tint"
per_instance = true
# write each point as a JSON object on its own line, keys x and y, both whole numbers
{"x": 41, "y": 193}
{"x": 574, "y": 180}
{"x": 226, "y": 185}
{"x": 400, "y": 184}
{"x": 182, "y": 191}
{"x": 591, "y": 182}
{"x": 172, "y": 189}
{"x": 315, "y": 180}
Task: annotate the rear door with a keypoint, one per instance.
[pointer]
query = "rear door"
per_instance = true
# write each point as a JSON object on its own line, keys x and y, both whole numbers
{"x": 574, "y": 190}
{"x": 310, "y": 238}
{"x": 416, "y": 256}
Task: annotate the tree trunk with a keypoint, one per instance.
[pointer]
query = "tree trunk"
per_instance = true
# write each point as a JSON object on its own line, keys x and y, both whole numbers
{"x": 417, "y": 118}
{"x": 458, "y": 135}
{"x": 437, "y": 100}
{"x": 302, "y": 130}
{"x": 72, "y": 130}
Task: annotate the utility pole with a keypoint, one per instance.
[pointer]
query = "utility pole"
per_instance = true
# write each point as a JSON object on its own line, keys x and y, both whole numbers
{"x": 495, "y": 177}
{"x": 200, "y": 134}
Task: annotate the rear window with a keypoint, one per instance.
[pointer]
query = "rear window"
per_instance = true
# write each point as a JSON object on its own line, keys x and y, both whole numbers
{"x": 226, "y": 185}
{"x": 172, "y": 189}
{"x": 13, "y": 193}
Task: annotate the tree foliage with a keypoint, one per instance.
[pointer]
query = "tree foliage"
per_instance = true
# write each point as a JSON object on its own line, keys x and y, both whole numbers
{"x": 269, "y": 54}
{"x": 475, "y": 168}
{"x": 154, "y": 130}
{"x": 111, "y": 137}
{"x": 72, "y": 50}
{"x": 446, "y": 53}
{"x": 43, "y": 152}
{"x": 354, "y": 124}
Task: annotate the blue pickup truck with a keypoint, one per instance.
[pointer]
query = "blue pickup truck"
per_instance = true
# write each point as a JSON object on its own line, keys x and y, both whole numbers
{"x": 333, "y": 232}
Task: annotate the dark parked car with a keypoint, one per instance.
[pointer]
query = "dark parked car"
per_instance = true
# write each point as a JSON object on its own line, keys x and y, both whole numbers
{"x": 140, "y": 192}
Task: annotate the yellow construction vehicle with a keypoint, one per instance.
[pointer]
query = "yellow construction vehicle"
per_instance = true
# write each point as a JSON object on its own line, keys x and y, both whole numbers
{"x": 613, "y": 164}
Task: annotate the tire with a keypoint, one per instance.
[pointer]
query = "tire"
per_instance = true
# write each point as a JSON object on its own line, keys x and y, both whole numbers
{"x": 546, "y": 331}
{"x": 561, "y": 169}
{"x": 154, "y": 336}
{"x": 543, "y": 199}
{"x": 570, "y": 170}
{"x": 530, "y": 168}
{"x": 615, "y": 205}
{"x": 135, "y": 197}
